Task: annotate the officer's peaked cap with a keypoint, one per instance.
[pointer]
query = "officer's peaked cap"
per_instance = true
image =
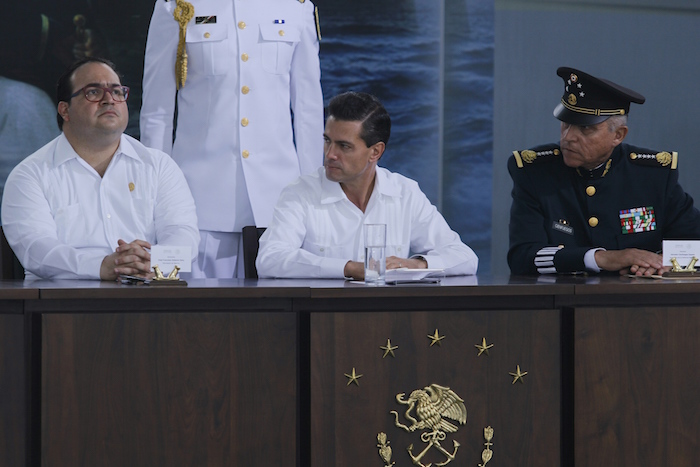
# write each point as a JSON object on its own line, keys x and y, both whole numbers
{"x": 588, "y": 100}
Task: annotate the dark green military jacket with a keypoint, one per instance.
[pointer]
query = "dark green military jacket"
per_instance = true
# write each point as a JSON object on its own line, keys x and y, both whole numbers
{"x": 559, "y": 213}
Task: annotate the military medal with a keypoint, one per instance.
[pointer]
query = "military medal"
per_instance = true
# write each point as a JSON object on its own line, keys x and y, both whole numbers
{"x": 637, "y": 220}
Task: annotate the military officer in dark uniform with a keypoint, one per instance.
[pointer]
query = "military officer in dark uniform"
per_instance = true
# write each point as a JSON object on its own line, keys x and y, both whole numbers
{"x": 593, "y": 203}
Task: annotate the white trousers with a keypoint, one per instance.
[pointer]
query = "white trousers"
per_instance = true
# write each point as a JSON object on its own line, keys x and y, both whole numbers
{"x": 220, "y": 256}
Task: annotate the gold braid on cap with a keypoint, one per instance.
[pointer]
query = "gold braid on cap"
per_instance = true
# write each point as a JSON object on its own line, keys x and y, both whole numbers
{"x": 183, "y": 13}
{"x": 596, "y": 112}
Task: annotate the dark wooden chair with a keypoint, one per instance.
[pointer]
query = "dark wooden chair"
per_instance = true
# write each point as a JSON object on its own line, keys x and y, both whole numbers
{"x": 10, "y": 267}
{"x": 251, "y": 236}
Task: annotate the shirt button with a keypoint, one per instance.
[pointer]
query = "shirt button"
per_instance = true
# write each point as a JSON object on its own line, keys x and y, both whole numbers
{"x": 241, "y": 25}
{"x": 244, "y": 121}
{"x": 281, "y": 32}
{"x": 321, "y": 249}
{"x": 244, "y": 57}
{"x": 590, "y": 191}
{"x": 207, "y": 35}
{"x": 593, "y": 221}
{"x": 109, "y": 216}
{"x": 245, "y": 154}
{"x": 245, "y": 89}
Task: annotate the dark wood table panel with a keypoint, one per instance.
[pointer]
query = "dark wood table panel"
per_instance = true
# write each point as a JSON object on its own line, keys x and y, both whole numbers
{"x": 13, "y": 402}
{"x": 244, "y": 372}
{"x": 195, "y": 289}
{"x": 169, "y": 389}
{"x": 525, "y": 416}
{"x": 637, "y": 386}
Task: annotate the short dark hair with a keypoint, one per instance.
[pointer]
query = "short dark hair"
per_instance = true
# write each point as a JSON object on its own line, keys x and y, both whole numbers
{"x": 64, "y": 87}
{"x": 362, "y": 107}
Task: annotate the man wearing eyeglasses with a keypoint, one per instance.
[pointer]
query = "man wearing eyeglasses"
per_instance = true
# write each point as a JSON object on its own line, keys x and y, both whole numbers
{"x": 90, "y": 203}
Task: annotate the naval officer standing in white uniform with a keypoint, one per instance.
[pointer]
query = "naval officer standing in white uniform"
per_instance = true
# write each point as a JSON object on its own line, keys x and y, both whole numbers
{"x": 248, "y": 63}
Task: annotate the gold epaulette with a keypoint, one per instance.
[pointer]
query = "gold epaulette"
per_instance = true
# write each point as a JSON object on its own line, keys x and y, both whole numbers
{"x": 660, "y": 159}
{"x": 529, "y": 156}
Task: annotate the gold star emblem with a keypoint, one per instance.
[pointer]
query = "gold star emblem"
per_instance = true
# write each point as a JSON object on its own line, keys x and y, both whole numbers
{"x": 483, "y": 347}
{"x": 435, "y": 338}
{"x": 518, "y": 375}
{"x": 389, "y": 349}
{"x": 352, "y": 378}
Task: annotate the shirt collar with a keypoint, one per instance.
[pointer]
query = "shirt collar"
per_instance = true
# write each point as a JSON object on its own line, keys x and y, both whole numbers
{"x": 65, "y": 152}
{"x": 331, "y": 192}
{"x": 385, "y": 185}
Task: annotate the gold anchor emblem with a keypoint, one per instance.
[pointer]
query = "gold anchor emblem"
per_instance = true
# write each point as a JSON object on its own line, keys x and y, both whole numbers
{"x": 434, "y": 405}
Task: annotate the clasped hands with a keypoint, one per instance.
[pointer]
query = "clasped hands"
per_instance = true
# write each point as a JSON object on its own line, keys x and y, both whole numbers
{"x": 131, "y": 259}
{"x": 356, "y": 269}
{"x": 631, "y": 261}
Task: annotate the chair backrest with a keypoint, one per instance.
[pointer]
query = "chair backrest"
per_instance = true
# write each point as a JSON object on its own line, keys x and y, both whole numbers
{"x": 10, "y": 267}
{"x": 251, "y": 235}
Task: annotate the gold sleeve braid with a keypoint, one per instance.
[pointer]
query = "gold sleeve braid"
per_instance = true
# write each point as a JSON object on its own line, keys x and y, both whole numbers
{"x": 183, "y": 13}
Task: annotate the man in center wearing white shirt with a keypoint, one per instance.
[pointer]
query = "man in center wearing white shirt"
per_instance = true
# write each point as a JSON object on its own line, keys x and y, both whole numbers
{"x": 317, "y": 225}
{"x": 90, "y": 203}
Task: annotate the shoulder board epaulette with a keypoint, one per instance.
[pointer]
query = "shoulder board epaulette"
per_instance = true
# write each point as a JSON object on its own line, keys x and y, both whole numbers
{"x": 659, "y": 159}
{"x": 537, "y": 155}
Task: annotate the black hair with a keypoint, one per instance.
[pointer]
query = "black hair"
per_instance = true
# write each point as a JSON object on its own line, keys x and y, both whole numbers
{"x": 360, "y": 106}
{"x": 64, "y": 86}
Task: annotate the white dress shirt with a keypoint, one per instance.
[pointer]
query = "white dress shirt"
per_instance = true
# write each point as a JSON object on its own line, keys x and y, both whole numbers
{"x": 249, "y": 63}
{"x": 61, "y": 218}
{"x": 316, "y": 229}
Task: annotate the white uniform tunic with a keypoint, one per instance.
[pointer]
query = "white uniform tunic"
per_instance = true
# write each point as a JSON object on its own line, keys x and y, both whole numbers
{"x": 249, "y": 61}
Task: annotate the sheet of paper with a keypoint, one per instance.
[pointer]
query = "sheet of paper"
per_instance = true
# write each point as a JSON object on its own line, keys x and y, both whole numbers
{"x": 682, "y": 250}
{"x": 409, "y": 274}
{"x": 167, "y": 257}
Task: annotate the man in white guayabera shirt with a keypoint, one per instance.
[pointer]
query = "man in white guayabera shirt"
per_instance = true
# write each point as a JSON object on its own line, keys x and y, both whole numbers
{"x": 90, "y": 203}
{"x": 317, "y": 225}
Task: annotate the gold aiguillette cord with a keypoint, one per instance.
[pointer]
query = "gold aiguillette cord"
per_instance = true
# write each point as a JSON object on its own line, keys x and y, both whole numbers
{"x": 183, "y": 13}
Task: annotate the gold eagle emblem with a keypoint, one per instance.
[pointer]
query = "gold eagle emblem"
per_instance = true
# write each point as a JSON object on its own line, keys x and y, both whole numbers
{"x": 664, "y": 158}
{"x": 528, "y": 156}
{"x": 433, "y": 405}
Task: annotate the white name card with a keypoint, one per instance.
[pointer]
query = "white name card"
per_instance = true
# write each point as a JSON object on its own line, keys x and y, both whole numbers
{"x": 682, "y": 250}
{"x": 167, "y": 257}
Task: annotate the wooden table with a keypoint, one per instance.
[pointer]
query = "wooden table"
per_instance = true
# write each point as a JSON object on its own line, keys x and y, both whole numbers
{"x": 252, "y": 373}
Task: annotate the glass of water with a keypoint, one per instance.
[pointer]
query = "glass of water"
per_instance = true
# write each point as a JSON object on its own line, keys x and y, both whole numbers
{"x": 375, "y": 254}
